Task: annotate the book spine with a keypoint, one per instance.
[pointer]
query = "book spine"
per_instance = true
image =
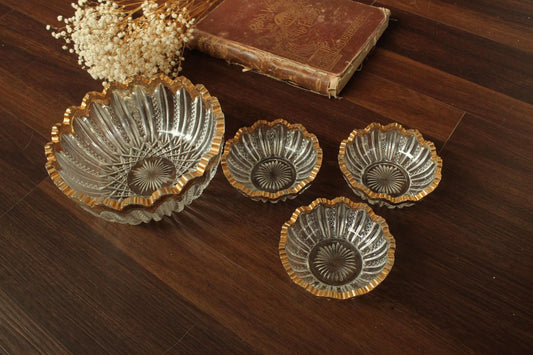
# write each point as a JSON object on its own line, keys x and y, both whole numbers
{"x": 267, "y": 63}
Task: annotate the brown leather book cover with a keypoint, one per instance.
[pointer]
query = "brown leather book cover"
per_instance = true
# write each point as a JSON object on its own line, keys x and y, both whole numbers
{"x": 314, "y": 44}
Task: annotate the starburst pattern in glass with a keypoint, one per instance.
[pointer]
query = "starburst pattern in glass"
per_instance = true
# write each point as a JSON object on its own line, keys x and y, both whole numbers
{"x": 335, "y": 262}
{"x": 386, "y": 178}
{"x": 151, "y": 174}
{"x": 273, "y": 174}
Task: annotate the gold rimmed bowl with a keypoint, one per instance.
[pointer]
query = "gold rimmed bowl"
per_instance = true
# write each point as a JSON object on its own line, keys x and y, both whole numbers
{"x": 336, "y": 248}
{"x": 272, "y": 161}
{"x": 138, "y": 151}
{"x": 389, "y": 165}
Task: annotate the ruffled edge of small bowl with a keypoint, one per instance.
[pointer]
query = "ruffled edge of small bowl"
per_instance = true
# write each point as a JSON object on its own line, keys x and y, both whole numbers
{"x": 282, "y": 194}
{"x": 104, "y": 97}
{"x": 330, "y": 203}
{"x": 386, "y": 198}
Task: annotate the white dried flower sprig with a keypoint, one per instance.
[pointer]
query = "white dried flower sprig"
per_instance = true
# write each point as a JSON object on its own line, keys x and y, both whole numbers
{"x": 115, "y": 40}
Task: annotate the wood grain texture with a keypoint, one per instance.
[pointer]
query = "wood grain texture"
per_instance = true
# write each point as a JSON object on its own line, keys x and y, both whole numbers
{"x": 124, "y": 308}
{"x": 467, "y": 55}
{"x": 20, "y": 333}
{"x": 506, "y": 22}
{"x": 43, "y": 12}
{"x": 38, "y": 76}
{"x": 4, "y": 10}
{"x": 404, "y": 105}
{"x": 209, "y": 279}
{"x": 452, "y": 90}
{"x": 20, "y": 162}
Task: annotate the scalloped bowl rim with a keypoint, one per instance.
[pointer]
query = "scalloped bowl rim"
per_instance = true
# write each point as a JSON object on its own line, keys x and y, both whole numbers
{"x": 395, "y": 200}
{"x": 331, "y": 203}
{"x": 271, "y": 196}
{"x": 74, "y": 112}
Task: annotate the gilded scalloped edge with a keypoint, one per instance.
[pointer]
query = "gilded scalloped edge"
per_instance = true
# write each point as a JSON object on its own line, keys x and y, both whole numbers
{"x": 383, "y": 196}
{"x": 265, "y": 195}
{"x": 104, "y": 97}
{"x": 330, "y": 203}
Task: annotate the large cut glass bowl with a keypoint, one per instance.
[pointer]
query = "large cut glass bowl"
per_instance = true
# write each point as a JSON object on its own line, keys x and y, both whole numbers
{"x": 138, "y": 151}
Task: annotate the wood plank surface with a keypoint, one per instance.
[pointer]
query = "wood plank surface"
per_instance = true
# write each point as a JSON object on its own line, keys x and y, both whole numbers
{"x": 406, "y": 106}
{"x": 470, "y": 56}
{"x": 452, "y": 90}
{"x": 209, "y": 280}
{"x": 21, "y": 334}
{"x": 21, "y": 160}
{"x": 506, "y": 22}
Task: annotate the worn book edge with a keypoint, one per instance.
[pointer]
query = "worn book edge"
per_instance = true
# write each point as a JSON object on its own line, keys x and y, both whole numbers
{"x": 295, "y": 73}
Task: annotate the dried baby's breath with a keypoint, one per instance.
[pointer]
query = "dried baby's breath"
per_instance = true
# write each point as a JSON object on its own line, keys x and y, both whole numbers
{"x": 115, "y": 40}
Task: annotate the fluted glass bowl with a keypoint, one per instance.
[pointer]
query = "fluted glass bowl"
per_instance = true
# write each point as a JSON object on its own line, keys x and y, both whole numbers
{"x": 138, "y": 151}
{"x": 389, "y": 165}
{"x": 272, "y": 161}
{"x": 336, "y": 248}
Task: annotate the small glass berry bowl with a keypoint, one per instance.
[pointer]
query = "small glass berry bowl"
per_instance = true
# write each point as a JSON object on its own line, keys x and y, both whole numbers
{"x": 272, "y": 161}
{"x": 389, "y": 165}
{"x": 137, "y": 151}
{"x": 336, "y": 248}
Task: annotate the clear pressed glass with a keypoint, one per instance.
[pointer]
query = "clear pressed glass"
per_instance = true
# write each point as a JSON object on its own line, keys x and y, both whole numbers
{"x": 272, "y": 161}
{"x": 389, "y": 165}
{"x": 138, "y": 151}
{"x": 336, "y": 248}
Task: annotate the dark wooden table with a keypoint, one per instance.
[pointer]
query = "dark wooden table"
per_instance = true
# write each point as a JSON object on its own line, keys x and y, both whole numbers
{"x": 209, "y": 279}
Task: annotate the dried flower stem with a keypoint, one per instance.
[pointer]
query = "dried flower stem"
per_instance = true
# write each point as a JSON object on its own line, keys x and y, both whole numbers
{"x": 117, "y": 39}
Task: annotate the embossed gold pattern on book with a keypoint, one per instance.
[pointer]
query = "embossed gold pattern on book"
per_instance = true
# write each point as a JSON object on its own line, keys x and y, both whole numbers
{"x": 290, "y": 29}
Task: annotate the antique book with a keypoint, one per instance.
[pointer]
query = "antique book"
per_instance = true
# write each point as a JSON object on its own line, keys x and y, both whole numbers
{"x": 313, "y": 44}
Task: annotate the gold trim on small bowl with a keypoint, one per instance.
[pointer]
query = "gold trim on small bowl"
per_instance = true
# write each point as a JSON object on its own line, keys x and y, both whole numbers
{"x": 336, "y": 248}
{"x": 260, "y": 162}
{"x": 380, "y": 169}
